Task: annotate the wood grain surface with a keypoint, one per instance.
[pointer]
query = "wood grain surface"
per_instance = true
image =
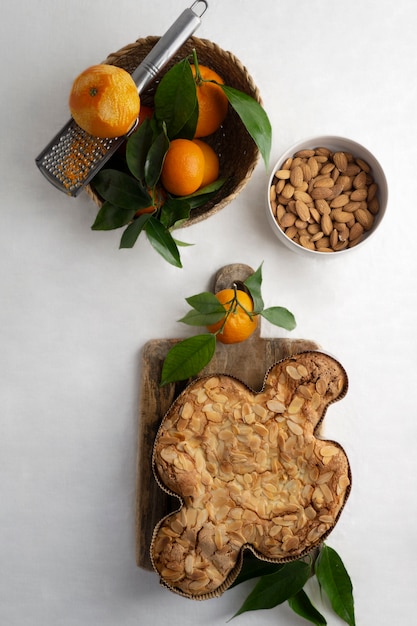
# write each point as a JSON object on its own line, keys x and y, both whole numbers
{"x": 247, "y": 361}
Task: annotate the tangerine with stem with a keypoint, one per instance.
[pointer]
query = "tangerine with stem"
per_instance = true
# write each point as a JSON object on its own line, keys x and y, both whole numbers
{"x": 239, "y": 321}
{"x": 212, "y": 101}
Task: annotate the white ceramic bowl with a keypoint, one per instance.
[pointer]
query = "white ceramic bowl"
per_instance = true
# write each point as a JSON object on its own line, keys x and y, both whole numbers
{"x": 334, "y": 144}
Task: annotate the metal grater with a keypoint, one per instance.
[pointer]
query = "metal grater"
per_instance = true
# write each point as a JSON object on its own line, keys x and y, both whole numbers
{"x": 73, "y": 157}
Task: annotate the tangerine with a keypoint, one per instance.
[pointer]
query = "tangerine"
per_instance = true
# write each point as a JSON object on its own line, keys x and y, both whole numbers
{"x": 146, "y": 112}
{"x": 183, "y": 169}
{"x": 104, "y": 101}
{"x": 239, "y": 322}
{"x": 211, "y": 163}
{"x": 157, "y": 197}
{"x": 212, "y": 101}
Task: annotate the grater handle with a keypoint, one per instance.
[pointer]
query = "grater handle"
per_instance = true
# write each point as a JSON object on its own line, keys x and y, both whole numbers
{"x": 167, "y": 46}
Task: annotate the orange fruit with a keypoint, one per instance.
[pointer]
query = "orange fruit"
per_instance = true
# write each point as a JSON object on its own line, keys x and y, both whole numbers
{"x": 157, "y": 197}
{"x": 104, "y": 101}
{"x": 238, "y": 323}
{"x": 183, "y": 168}
{"x": 145, "y": 113}
{"x": 212, "y": 101}
{"x": 211, "y": 163}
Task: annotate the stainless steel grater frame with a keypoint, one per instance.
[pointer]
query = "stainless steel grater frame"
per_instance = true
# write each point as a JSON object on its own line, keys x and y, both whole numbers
{"x": 73, "y": 157}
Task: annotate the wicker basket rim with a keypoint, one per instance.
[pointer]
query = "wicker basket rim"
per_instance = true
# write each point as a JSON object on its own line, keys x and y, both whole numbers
{"x": 152, "y": 39}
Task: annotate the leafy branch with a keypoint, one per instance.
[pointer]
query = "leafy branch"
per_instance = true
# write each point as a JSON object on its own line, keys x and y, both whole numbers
{"x": 189, "y": 356}
{"x": 278, "y": 583}
{"x": 130, "y": 183}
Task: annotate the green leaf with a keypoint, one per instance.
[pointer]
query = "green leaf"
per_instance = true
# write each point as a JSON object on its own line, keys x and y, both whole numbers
{"x": 137, "y": 149}
{"x": 254, "y": 118}
{"x": 155, "y": 159}
{"x": 110, "y": 217}
{"x": 206, "y": 302}
{"x": 279, "y": 316}
{"x": 182, "y": 244}
{"x": 203, "y": 195}
{"x": 276, "y": 588}
{"x": 162, "y": 241}
{"x": 121, "y": 189}
{"x": 195, "y": 318}
{"x": 133, "y": 231}
{"x": 302, "y": 605}
{"x": 188, "y": 130}
{"x": 255, "y": 568}
{"x": 254, "y": 283}
{"x": 176, "y": 100}
{"x": 335, "y": 581}
{"x": 208, "y": 190}
{"x": 187, "y": 358}
{"x": 174, "y": 210}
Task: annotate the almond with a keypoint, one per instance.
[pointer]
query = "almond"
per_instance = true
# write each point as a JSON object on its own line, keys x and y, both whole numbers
{"x": 340, "y": 161}
{"x": 322, "y": 206}
{"x": 360, "y": 180}
{"x": 339, "y": 201}
{"x": 320, "y": 192}
{"x": 302, "y": 209}
{"x": 365, "y": 218}
{"x": 341, "y": 216}
{"x": 288, "y": 219}
{"x": 296, "y": 176}
{"x": 356, "y": 231}
{"x": 326, "y": 224}
{"x": 283, "y": 174}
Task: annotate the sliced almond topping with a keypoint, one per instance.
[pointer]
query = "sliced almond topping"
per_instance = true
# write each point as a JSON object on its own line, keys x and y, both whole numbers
{"x": 275, "y": 406}
{"x": 290, "y": 543}
{"x": 321, "y": 386}
{"x": 302, "y": 370}
{"x": 261, "y": 429}
{"x": 211, "y": 383}
{"x": 213, "y": 416}
{"x": 169, "y": 454}
{"x": 249, "y": 418}
{"x": 316, "y": 400}
{"x": 324, "y": 477}
{"x": 328, "y": 496}
{"x": 295, "y": 428}
{"x": 295, "y": 405}
{"x": 329, "y": 450}
{"x": 305, "y": 392}
{"x": 310, "y": 512}
{"x": 260, "y": 411}
{"x": 187, "y": 411}
{"x": 202, "y": 396}
{"x": 293, "y": 372}
{"x": 326, "y": 519}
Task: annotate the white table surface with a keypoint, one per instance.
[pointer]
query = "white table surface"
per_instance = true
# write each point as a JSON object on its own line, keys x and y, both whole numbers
{"x": 76, "y": 311}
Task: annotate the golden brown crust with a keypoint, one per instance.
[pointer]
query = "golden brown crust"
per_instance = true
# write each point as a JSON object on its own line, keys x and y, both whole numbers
{"x": 250, "y": 472}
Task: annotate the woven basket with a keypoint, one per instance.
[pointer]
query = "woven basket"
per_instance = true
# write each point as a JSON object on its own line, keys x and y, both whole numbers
{"x": 237, "y": 151}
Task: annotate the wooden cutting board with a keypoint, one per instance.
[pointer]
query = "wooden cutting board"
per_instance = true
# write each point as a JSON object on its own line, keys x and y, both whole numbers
{"x": 248, "y": 361}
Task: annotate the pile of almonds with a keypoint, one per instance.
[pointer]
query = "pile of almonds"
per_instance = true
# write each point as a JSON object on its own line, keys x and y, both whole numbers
{"x": 324, "y": 201}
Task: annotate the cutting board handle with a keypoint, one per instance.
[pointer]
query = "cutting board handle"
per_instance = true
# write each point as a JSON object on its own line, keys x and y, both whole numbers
{"x": 229, "y": 274}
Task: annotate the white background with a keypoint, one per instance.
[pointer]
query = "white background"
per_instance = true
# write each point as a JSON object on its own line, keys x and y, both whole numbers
{"x": 75, "y": 311}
